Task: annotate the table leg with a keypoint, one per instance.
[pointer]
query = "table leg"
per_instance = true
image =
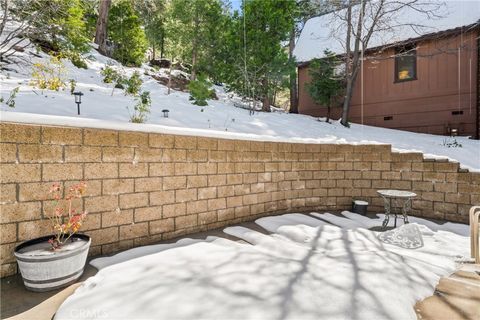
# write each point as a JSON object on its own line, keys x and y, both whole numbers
{"x": 395, "y": 212}
{"x": 387, "y": 203}
{"x": 407, "y": 205}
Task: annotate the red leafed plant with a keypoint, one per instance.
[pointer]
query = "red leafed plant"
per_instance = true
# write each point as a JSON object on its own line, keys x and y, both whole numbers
{"x": 65, "y": 224}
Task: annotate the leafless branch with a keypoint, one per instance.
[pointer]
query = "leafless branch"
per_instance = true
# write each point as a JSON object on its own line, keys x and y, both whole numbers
{"x": 359, "y": 23}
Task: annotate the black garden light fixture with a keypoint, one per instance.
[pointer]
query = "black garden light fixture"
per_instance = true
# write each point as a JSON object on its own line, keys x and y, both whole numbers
{"x": 165, "y": 113}
{"x": 78, "y": 99}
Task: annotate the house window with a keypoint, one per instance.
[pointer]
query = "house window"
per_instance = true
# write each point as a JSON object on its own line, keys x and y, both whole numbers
{"x": 406, "y": 63}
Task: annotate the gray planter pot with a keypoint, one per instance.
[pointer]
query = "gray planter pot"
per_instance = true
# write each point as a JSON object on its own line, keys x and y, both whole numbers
{"x": 43, "y": 270}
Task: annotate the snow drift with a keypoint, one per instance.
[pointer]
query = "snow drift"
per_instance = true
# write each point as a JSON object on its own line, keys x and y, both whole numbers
{"x": 305, "y": 269}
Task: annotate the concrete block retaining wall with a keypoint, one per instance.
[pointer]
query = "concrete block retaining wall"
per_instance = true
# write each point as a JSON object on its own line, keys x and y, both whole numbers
{"x": 148, "y": 187}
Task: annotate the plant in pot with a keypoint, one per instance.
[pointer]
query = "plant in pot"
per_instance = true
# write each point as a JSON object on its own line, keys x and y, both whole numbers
{"x": 57, "y": 260}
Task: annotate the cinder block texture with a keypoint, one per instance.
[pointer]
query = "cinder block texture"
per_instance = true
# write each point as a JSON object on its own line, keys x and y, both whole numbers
{"x": 147, "y": 187}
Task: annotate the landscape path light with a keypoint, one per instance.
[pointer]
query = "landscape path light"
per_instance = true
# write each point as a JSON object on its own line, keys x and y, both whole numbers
{"x": 78, "y": 100}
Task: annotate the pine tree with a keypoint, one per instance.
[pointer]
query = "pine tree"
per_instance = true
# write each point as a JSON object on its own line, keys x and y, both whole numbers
{"x": 153, "y": 15}
{"x": 125, "y": 30}
{"x": 198, "y": 21}
{"x": 259, "y": 64}
{"x": 74, "y": 29}
{"x": 56, "y": 24}
{"x": 90, "y": 16}
{"x": 305, "y": 9}
{"x": 325, "y": 84}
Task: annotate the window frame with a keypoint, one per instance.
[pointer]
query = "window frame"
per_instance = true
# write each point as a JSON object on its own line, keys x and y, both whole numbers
{"x": 410, "y": 47}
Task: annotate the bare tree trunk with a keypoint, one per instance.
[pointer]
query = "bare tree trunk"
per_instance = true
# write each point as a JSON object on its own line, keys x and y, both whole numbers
{"x": 169, "y": 85}
{"x": 346, "y": 101}
{"x": 328, "y": 112}
{"x": 350, "y": 86}
{"x": 4, "y": 8}
{"x": 266, "y": 104}
{"x": 266, "y": 99}
{"x": 162, "y": 45}
{"x": 153, "y": 52}
{"x": 102, "y": 22}
{"x": 193, "y": 75}
{"x": 352, "y": 75}
{"x": 293, "y": 75}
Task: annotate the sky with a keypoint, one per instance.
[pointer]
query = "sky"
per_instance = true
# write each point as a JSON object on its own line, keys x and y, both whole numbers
{"x": 236, "y": 4}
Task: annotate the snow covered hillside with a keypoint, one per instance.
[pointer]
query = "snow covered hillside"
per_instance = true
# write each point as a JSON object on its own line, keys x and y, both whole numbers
{"x": 220, "y": 118}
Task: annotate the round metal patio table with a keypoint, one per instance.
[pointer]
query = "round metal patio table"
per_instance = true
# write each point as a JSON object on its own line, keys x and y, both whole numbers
{"x": 401, "y": 199}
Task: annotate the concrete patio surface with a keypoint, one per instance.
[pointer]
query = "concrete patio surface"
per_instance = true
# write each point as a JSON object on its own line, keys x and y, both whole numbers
{"x": 456, "y": 296}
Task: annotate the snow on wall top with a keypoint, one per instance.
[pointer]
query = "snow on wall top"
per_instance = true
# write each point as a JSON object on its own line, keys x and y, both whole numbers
{"x": 329, "y": 31}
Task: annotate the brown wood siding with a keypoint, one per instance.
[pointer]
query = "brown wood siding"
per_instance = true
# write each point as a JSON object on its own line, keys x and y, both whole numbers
{"x": 478, "y": 88}
{"x": 423, "y": 105}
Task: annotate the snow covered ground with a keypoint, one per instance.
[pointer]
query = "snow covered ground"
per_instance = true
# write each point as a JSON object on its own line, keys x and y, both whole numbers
{"x": 220, "y": 118}
{"x": 305, "y": 269}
